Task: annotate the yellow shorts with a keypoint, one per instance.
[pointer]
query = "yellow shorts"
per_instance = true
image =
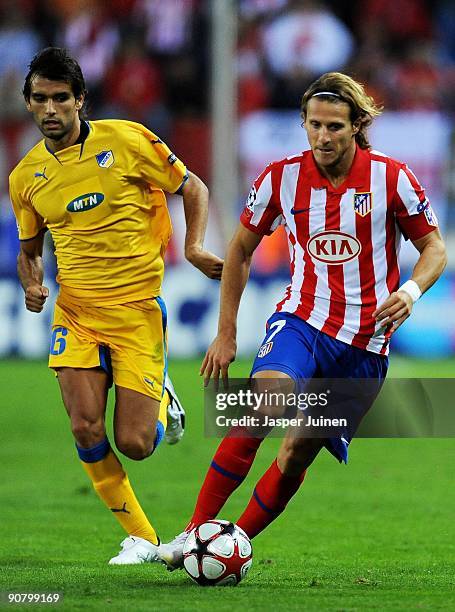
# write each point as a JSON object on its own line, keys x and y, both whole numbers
{"x": 126, "y": 340}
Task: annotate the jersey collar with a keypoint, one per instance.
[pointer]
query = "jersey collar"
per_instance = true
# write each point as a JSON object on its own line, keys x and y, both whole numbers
{"x": 83, "y": 134}
{"x": 360, "y": 165}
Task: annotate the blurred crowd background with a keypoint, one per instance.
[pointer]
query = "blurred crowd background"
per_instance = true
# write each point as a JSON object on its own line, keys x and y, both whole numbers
{"x": 150, "y": 61}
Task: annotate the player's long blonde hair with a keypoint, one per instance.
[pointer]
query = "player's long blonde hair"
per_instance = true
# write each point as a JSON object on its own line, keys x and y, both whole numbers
{"x": 363, "y": 107}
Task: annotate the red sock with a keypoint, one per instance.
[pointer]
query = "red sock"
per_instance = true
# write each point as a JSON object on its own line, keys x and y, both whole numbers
{"x": 229, "y": 467}
{"x": 270, "y": 497}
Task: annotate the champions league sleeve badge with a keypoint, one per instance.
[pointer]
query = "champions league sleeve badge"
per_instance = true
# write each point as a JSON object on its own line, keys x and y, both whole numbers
{"x": 105, "y": 159}
{"x": 429, "y": 213}
{"x": 251, "y": 200}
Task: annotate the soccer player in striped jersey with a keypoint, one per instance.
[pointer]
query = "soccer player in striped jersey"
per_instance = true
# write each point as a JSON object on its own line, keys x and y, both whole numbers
{"x": 345, "y": 208}
{"x": 99, "y": 188}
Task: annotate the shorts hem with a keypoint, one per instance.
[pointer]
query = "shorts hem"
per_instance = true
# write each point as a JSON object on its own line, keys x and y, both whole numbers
{"x": 275, "y": 367}
{"x": 330, "y": 446}
{"x": 156, "y": 395}
{"x": 75, "y": 365}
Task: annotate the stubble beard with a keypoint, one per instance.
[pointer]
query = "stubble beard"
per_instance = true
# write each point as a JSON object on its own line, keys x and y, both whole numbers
{"x": 54, "y": 134}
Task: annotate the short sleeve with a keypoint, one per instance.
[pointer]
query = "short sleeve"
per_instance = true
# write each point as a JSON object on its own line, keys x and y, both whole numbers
{"x": 157, "y": 165}
{"x": 413, "y": 211}
{"x": 262, "y": 212}
{"x": 29, "y": 222}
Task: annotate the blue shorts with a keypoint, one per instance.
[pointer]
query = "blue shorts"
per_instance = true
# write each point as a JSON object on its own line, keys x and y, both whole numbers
{"x": 294, "y": 347}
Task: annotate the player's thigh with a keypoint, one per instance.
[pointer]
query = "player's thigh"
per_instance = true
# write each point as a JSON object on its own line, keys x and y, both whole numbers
{"x": 288, "y": 348}
{"x": 84, "y": 393}
{"x": 138, "y": 348}
{"x": 275, "y": 388}
{"x": 135, "y": 421}
{"x": 76, "y": 357}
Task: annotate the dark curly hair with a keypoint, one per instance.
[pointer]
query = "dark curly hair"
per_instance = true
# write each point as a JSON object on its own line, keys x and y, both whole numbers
{"x": 55, "y": 64}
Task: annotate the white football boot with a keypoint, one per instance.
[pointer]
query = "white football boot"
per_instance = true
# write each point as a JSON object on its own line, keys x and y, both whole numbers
{"x": 175, "y": 415}
{"x": 172, "y": 553}
{"x": 135, "y": 551}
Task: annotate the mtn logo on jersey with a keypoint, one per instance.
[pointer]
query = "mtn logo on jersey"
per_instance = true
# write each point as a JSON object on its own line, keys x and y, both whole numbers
{"x": 333, "y": 247}
{"x": 85, "y": 202}
{"x": 105, "y": 159}
{"x": 363, "y": 203}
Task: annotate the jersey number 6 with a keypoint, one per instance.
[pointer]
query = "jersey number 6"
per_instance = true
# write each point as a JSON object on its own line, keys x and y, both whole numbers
{"x": 58, "y": 342}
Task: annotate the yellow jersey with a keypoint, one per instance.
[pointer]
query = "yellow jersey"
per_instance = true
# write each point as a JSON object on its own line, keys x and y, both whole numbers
{"x": 103, "y": 202}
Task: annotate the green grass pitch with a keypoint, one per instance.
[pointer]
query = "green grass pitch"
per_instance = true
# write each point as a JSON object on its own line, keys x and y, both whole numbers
{"x": 377, "y": 534}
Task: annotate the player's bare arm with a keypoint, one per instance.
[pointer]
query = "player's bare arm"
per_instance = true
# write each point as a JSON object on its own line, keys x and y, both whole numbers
{"x": 30, "y": 271}
{"x": 429, "y": 267}
{"x": 195, "y": 203}
{"x": 221, "y": 352}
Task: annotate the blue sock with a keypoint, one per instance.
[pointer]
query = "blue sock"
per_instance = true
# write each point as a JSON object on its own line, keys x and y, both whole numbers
{"x": 95, "y": 453}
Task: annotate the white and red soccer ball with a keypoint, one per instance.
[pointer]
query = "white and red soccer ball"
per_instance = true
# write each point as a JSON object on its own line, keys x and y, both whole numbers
{"x": 217, "y": 553}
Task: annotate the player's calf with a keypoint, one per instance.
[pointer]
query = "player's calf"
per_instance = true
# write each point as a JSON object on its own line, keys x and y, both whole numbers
{"x": 296, "y": 454}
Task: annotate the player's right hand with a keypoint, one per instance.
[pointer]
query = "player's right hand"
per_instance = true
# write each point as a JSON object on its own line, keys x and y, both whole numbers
{"x": 218, "y": 358}
{"x": 35, "y": 296}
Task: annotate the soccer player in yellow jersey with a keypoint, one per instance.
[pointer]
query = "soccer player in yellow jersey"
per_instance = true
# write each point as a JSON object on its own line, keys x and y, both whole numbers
{"x": 98, "y": 187}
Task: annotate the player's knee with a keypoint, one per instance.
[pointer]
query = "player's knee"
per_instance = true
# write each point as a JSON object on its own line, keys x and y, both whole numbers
{"x": 87, "y": 433}
{"x": 135, "y": 447}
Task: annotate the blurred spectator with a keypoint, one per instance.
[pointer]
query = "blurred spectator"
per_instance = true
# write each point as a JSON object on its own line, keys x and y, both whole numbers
{"x": 396, "y": 22}
{"x": 372, "y": 67}
{"x": 417, "y": 79}
{"x": 168, "y": 24}
{"x": 149, "y": 60}
{"x": 445, "y": 28}
{"x": 302, "y": 43}
{"x": 253, "y": 93}
{"x": 18, "y": 44}
{"x": 134, "y": 88}
{"x": 92, "y": 36}
{"x": 175, "y": 35}
{"x": 251, "y": 9}
{"x": 18, "y": 41}
{"x": 445, "y": 25}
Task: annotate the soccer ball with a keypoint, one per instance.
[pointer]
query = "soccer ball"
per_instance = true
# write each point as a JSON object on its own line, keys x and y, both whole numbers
{"x": 217, "y": 553}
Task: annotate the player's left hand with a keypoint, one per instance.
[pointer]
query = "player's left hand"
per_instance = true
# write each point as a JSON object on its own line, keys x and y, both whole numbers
{"x": 208, "y": 263}
{"x": 395, "y": 310}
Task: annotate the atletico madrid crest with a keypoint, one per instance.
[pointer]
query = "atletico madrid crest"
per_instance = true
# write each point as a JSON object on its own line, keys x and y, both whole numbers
{"x": 363, "y": 203}
{"x": 265, "y": 349}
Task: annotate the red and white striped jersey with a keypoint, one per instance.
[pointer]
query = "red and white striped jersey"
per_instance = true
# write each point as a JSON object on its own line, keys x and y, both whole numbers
{"x": 344, "y": 242}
